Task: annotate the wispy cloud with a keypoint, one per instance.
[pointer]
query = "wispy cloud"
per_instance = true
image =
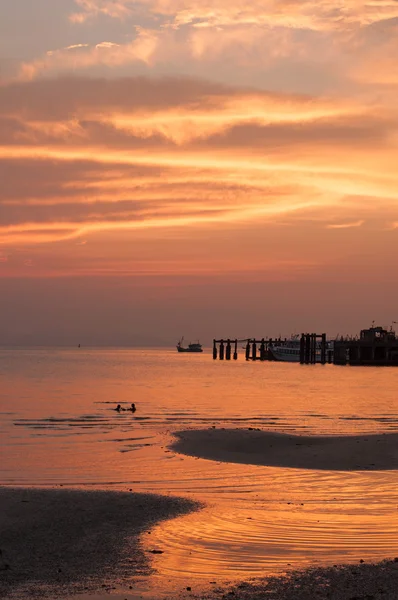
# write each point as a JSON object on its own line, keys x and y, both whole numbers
{"x": 83, "y": 56}
{"x": 107, "y": 45}
{"x": 74, "y": 46}
{"x": 345, "y": 225}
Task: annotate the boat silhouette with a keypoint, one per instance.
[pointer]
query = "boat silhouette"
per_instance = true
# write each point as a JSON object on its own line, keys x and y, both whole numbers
{"x": 192, "y": 347}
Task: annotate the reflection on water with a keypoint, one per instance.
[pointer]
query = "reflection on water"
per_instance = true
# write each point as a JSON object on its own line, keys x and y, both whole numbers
{"x": 58, "y": 426}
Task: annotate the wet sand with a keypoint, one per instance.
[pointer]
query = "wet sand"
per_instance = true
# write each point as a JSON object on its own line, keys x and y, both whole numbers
{"x": 56, "y": 543}
{"x": 339, "y": 582}
{"x": 255, "y": 447}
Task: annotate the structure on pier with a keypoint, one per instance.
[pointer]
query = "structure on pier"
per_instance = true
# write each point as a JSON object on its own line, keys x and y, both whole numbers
{"x": 375, "y": 346}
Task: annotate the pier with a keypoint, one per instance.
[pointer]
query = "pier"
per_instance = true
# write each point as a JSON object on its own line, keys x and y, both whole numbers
{"x": 254, "y": 349}
{"x": 313, "y": 348}
{"x": 375, "y": 346}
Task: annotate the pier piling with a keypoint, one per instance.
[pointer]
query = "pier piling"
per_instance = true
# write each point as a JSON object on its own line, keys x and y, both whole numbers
{"x": 302, "y": 348}
{"x": 311, "y": 352}
{"x": 228, "y": 350}
{"x": 263, "y": 354}
{"x": 214, "y": 350}
{"x": 307, "y": 350}
{"x": 323, "y": 349}
{"x": 222, "y": 350}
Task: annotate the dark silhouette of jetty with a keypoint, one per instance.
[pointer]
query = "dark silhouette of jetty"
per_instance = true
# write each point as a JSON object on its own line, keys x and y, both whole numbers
{"x": 375, "y": 346}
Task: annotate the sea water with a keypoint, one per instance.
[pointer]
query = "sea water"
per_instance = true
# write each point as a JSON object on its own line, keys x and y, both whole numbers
{"x": 58, "y": 427}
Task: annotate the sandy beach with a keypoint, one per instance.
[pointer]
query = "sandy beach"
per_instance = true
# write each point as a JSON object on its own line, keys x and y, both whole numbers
{"x": 56, "y": 543}
{"x": 255, "y": 447}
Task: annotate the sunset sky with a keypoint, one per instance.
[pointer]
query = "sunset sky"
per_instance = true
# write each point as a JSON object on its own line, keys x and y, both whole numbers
{"x": 193, "y": 167}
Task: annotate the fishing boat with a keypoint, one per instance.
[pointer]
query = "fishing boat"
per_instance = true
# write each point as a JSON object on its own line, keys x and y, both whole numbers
{"x": 193, "y": 347}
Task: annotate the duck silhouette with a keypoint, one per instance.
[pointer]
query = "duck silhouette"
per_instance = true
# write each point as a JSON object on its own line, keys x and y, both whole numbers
{"x": 133, "y": 408}
{"x": 119, "y": 408}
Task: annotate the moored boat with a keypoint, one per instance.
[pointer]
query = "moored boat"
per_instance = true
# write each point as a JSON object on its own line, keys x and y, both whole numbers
{"x": 289, "y": 350}
{"x": 286, "y": 351}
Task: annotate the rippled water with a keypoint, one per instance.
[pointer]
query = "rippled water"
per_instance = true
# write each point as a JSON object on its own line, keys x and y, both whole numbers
{"x": 58, "y": 426}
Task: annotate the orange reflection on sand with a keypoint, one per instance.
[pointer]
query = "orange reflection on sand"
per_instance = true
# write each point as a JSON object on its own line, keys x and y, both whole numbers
{"x": 290, "y": 520}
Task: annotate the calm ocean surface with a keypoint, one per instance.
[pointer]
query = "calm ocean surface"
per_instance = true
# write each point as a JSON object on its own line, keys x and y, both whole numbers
{"x": 58, "y": 427}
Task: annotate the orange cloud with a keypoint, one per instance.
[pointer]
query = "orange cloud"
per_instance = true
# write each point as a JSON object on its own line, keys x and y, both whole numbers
{"x": 304, "y": 13}
{"x": 130, "y": 163}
